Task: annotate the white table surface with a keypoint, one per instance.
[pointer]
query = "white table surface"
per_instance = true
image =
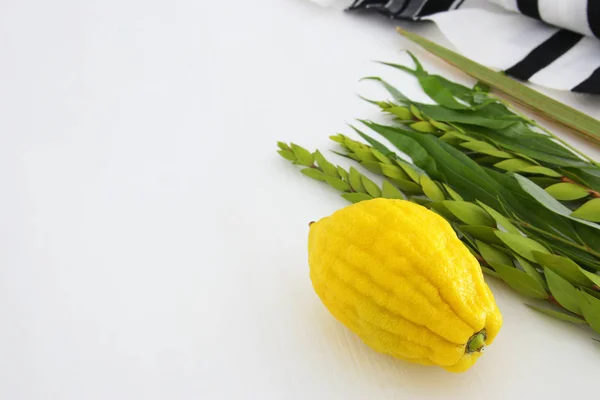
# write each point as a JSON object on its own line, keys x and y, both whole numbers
{"x": 153, "y": 244}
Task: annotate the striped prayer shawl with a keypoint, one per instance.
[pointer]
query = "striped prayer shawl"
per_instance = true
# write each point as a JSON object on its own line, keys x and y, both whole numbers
{"x": 565, "y": 59}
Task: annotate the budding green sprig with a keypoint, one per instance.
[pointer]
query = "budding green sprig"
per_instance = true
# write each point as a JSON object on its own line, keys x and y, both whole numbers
{"x": 578, "y": 195}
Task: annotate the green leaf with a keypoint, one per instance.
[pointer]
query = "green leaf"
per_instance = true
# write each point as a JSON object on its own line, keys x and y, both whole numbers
{"x": 490, "y": 272}
{"x": 283, "y": 146}
{"x": 314, "y": 173}
{"x": 499, "y": 218}
{"x": 408, "y": 186}
{"x": 521, "y": 245}
{"x": 337, "y": 183}
{"x": 431, "y": 189}
{"x": 459, "y": 91}
{"x": 338, "y": 138}
{"x": 595, "y": 279}
{"x": 419, "y": 67}
{"x": 415, "y": 111}
{"x": 416, "y": 72}
{"x": 356, "y": 197}
{"x": 373, "y": 166}
{"x": 527, "y": 158}
{"x": 455, "y": 137}
{"x": 439, "y": 208}
{"x": 451, "y": 139}
{"x": 453, "y": 193}
{"x": 591, "y": 310}
{"x": 578, "y": 175}
{"x": 558, "y": 314}
{"x": 405, "y": 144}
{"x": 589, "y": 211}
{"x": 579, "y": 256}
{"x": 355, "y": 179}
{"x": 592, "y": 292}
{"x": 588, "y": 176}
{"x": 541, "y": 171}
{"x": 328, "y": 168}
{"x": 371, "y": 187}
{"x": 410, "y": 171}
{"x": 563, "y": 266}
{"x": 342, "y": 173}
{"x": 402, "y": 113}
{"x": 567, "y": 191}
{"x": 469, "y": 213}
{"x": 542, "y": 197}
{"x": 364, "y": 154}
{"x": 348, "y": 155}
{"x": 519, "y": 205}
{"x": 374, "y": 143}
{"x": 440, "y": 125}
{"x": 483, "y": 233}
{"x": 303, "y": 156}
{"x": 423, "y": 126}
{"x": 531, "y": 270}
{"x": 393, "y": 171}
{"x": 422, "y": 202}
{"x": 288, "y": 155}
{"x": 389, "y": 191}
{"x": 492, "y": 255}
{"x": 352, "y": 145}
{"x": 396, "y": 94}
{"x": 565, "y": 293}
{"x": 543, "y": 182}
{"x": 589, "y": 236}
{"x": 380, "y": 156}
{"x": 439, "y": 93}
{"x": 513, "y": 164}
{"x": 485, "y": 148}
{"x": 484, "y": 160}
{"x": 468, "y": 117}
{"x": 521, "y": 282}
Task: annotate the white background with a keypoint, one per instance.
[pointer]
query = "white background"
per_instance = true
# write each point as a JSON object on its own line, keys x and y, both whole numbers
{"x": 153, "y": 244}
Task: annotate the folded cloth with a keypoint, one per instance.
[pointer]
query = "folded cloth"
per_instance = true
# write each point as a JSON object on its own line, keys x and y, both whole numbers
{"x": 582, "y": 16}
{"x": 406, "y": 9}
{"x": 539, "y": 52}
{"x": 525, "y": 49}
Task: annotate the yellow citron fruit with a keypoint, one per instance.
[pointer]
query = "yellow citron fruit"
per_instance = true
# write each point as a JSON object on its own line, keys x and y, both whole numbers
{"x": 395, "y": 274}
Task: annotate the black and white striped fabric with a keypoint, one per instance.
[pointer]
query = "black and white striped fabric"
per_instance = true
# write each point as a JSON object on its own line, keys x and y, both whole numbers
{"x": 524, "y": 48}
{"x": 581, "y": 16}
{"x": 406, "y": 9}
{"x": 561, "y": 52}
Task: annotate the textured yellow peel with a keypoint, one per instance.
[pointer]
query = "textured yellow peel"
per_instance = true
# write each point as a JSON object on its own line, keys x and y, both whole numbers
{"x": 395, "y": 273}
